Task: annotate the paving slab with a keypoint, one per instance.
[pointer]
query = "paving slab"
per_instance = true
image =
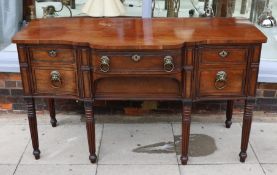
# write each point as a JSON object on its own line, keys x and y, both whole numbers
{"x": 264, "y": 141}
{"x": 56, "y": 170}
{"x": 13, "y": 119}
{"x": 42, "y": 119}
{"x": 65, "y": 144}
{"x": 226, "y": 169}
{"x": 270, "y": 169}
{"x": 120, "y": 140}
{"x": 138, "y": 170}
{"x": 7, "y": 169}
{"x": 227, "y": 143}
{"x": 13, "y": 141}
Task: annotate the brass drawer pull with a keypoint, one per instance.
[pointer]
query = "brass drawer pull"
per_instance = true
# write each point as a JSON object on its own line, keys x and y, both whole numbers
{"x": 55, "y": 78}
{"x": 104, "y": 65}
{"x": 168, "y": 64}
{"x": 136, "y": 58}
{"x": 220, "y": 80}
{"x": 223, "y": 54}
{"x": 52, "y": 53}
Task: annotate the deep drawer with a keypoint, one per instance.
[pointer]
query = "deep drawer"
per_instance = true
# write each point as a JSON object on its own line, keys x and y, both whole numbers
{"x": 233, "y": 55}
{"x": 55, "y": 81}
{"x": 137, "y": 62}
{"x": 221, "y": 82}
{"x": 52, "y": 55}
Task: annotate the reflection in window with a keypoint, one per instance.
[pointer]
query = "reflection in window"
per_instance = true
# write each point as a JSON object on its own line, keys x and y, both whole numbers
{"x": 251, "y": 9}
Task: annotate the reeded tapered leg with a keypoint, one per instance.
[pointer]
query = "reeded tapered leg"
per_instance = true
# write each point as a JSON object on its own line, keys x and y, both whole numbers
{"x": 90, "y": 124}
{"x": 229, "y": 113}
{"x": 186, "y": 118}
{"x": 51, "y": 107}
{"x": 246, "y": 127}
{"x": 33, "y": 126}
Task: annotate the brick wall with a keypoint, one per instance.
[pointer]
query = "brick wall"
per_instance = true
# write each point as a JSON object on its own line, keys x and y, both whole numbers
{"x": 10, "y": 91}
{"x": 11, "y": 101}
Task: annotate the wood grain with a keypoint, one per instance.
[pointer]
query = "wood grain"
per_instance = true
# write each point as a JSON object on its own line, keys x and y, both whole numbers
{"x": 133, "y": 33}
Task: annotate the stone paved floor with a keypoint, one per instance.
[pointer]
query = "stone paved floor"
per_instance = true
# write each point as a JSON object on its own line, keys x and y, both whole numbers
{"x": 134, "y": 148}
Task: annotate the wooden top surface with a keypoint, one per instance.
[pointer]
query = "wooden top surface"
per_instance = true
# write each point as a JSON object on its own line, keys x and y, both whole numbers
{"x": 137, "y": 33}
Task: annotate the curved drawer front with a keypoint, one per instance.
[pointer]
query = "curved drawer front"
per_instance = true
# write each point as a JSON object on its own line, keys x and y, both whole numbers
{"x": 137, "y": 62}
{"x": 221, "y": 82}
{"x": 55, "y": 81}
{"x": 52, "y": 54}
{"x": 214, "y": 55}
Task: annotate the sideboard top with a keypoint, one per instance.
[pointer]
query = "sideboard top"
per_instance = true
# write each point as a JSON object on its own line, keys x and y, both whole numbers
{"x": 137, "y": 33}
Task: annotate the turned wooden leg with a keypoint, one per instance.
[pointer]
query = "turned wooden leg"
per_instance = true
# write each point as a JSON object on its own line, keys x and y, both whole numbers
{"x": 90, "y": 124}
{"x": 246, "y": 127}
{"x": 51, "y": 107}
{"x": 186, "y": 118}
{"x": 229, "y": 113}
{"x": 33, "y": 126}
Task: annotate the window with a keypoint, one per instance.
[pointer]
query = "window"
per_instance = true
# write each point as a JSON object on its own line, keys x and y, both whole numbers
{"x": 11, "y": 14}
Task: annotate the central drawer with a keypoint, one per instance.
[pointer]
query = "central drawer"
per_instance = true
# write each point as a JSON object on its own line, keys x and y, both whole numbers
{"x": 127, "y": 62}
{"x": 137, "y": 74}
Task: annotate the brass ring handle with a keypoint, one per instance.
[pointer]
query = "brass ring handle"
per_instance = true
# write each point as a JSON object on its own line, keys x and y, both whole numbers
{"x": 52, "y": 53}
{"x": 168, "y": 64}
{"x": 105, "y": 64}
{"x": 220, "y": 80}
{"x": 55, "y": 78}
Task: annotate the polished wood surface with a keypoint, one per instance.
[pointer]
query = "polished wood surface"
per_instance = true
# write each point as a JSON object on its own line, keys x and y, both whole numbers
{"x": 32, "y": 118}
{"x": 122, "y": 33}
{"x": 235, "y": 84}
{"x": 52, "y": 112}
{"x": 90, "y": 125}
{"x": 186, "y": 120}
{"x": 183, "y": 60}
{"x": 229, "y": 113}
{"x": 42, "y": 55}
{"x": 235, "y": 55}
{"x": 246, "y": 127}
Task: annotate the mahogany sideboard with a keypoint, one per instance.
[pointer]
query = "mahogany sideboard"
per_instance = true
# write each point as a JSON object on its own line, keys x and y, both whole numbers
{"x": 176, "y": 59}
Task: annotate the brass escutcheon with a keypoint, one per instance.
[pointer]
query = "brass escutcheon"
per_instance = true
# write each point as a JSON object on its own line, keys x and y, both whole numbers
{"x": 52, "y": 53}
{"x": 136, "y": 58}
{"x": 223, "y": 54}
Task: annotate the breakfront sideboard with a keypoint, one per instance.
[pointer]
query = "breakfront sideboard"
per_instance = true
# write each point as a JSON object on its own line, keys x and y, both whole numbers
{"x": 180, "y": 59}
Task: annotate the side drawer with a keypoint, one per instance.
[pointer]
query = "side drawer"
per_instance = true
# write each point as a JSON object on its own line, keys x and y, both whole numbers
{"x": 233, "y": 55}
{"x": 221, "y": 82}
{"x": 137, "y": 62}
{"x": 52, "y": 54}
{"x": 55, "y": 81}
